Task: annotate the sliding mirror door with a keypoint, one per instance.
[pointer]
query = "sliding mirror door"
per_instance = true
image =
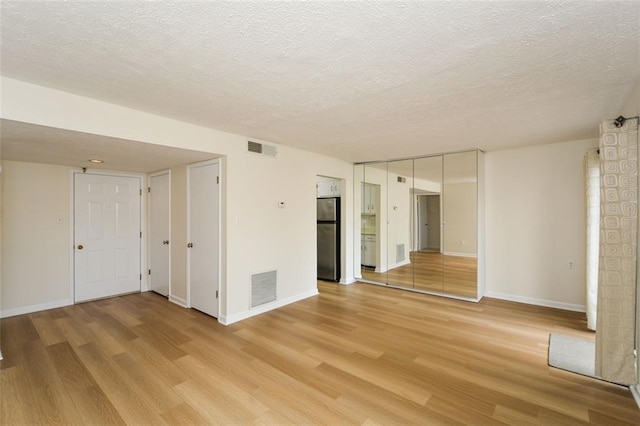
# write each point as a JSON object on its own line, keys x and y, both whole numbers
{"x": 419, "y": 223}
{"x": 372, "y": 216}
{"x": 426, "y": 252}
{"x": 358, "y": 185}
{"x": 399, "y": 223}
{"x": 460, "y": 224}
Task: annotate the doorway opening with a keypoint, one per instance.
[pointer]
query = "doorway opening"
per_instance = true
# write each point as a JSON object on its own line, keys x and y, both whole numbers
{"x": 329, "y": 234}
{"x": 428, "y": 238}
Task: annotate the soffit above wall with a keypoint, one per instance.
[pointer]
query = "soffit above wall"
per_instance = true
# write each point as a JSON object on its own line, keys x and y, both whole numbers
{"x": 40, "y": 144}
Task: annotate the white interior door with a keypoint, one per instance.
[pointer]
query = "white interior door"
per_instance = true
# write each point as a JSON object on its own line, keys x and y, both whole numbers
{"x": 203, "y": 238}
{"x": 423, "y": 223}
{"x": 106, "y": 236}
{"x": 160, "y": 233}
{"x": 434, "y": 223}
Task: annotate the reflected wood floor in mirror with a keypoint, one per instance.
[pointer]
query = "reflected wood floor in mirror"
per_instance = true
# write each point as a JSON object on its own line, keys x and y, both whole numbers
{"x": 432, "y": 271}
{"x": 357, "y": 354}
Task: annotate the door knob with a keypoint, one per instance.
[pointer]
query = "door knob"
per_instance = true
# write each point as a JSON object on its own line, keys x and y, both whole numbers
{"x": 80, "y": 246}
{"x": 190, "y": 245}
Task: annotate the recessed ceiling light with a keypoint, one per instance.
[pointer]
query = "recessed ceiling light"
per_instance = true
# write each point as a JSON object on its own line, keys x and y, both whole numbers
{"x": 93, "y": 160}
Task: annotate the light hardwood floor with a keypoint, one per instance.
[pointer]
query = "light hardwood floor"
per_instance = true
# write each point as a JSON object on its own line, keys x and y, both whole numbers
{"x": 434, "y": 272}
{"x": 358, "y": 354}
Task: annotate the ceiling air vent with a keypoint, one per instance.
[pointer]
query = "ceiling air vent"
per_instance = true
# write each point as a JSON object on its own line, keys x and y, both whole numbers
{"x": 260, "y": 148}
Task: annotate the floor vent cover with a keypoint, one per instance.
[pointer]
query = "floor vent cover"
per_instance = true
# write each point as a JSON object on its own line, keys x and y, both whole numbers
{"x": 263, "y": 288}
{"x": 399, "y": 253}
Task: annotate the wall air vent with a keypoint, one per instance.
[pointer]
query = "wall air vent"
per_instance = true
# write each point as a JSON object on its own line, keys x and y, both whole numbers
{"x": 260, "y": 148}
{"x": 399, "y": 253}
{"x": 263, "y": 288}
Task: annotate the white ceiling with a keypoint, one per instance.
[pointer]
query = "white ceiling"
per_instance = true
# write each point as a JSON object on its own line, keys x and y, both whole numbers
{"x": 355, "y": 80}
{"x": 48, "y": 145}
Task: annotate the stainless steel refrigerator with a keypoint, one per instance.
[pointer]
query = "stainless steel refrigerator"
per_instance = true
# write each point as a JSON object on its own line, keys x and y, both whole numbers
{"x": 329, "y": 239}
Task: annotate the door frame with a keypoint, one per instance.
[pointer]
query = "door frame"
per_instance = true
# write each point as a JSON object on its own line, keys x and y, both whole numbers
{"x": 217, "y": 161}
{"x": 148, "y": 215}
{"x": 144, "y": 282}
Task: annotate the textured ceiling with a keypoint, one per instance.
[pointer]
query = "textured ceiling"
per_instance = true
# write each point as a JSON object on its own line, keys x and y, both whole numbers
{"x": 354, "y": 80}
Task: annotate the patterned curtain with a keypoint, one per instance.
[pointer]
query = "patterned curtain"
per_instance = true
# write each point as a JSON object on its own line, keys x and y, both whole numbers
{"x": 615, "y": 326}
{"x": 592, "y": 183}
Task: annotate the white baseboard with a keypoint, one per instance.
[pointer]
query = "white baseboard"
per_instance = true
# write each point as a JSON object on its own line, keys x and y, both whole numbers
{"x": 456, "y": 254}
{"x": 35, "y": 308}
{"x": 348, "y": 281}
{"x": 399, "y": 264}
{"x": 534, "y": 301}
{"x": 635, "y": 391}
{"x": 178, "y": 301}
{"x": 228, "y": 320}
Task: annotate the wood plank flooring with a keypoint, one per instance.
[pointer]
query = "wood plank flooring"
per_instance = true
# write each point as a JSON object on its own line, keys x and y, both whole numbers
{"x": 358, "y": 354}
{"x": 434, "y": 272}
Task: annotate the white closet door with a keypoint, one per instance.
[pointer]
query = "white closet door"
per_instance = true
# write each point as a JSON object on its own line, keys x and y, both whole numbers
{"x": 160, "y": 233}
{"x": 106, "y": 235}
{"x": 204, "y": 236}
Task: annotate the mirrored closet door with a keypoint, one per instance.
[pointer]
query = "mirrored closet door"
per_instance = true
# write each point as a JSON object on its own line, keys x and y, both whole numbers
{"x": 460, "y": 224}
{"x": 426, "y": 255}
{"x": 399, "y": 212}
{"x": 418, "y": 223}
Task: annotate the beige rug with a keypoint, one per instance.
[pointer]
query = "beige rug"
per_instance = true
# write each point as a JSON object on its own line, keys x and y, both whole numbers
{"x": 572, "y": 354}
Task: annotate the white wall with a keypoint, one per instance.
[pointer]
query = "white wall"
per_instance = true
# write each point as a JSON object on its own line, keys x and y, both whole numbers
{"x": 460, "y": 234}
{"x": 631, "y": 107}
{"x": 535, "y": 224}
{"x": 36, "y": 255}
{"x": 257, "y": 236}
{"x": 399, "y": 218}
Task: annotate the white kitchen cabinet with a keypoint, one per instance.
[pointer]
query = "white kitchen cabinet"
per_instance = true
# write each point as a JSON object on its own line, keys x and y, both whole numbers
{"x": 328, "y": 188}
{"x": 369, "y": 198}
{"x": 368, "y": 250}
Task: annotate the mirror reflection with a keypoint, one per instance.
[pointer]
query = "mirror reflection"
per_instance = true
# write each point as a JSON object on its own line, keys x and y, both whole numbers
{"x": 399, "y": 267}
{"x": 460, "y": 229}
{"x": 426, "y": 255}
{"x": 419, "y": 223}
{"x": 373, "y": 221}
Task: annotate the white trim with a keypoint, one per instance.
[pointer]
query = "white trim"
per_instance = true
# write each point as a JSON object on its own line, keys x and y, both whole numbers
{"x": 151, "y": 175}
{"x": 178, "y": 301}
{"x": 348, "y": 281}
{"x": 35, "y": 308}
{"x": 453, "y": 253}
{"x": 230, "y": 319}
{"x": 1, "y": 356}
{"x": 380, "y": 270}
{"x": 534, "y": 301}
{"x": 399, "y": 264}
{"x": 635, "y": 391}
